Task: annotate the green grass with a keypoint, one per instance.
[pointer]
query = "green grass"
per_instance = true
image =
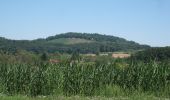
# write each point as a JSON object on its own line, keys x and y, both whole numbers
{"x": 69, "y": 41}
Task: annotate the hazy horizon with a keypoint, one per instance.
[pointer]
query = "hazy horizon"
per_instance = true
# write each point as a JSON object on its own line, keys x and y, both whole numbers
{"x": 145, "y": 22}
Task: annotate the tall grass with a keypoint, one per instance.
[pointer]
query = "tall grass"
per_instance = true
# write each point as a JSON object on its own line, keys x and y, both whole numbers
{"x": 85, "y": 79}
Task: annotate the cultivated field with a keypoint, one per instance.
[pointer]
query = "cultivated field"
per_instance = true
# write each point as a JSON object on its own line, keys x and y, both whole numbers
{"x": 120, "y": 55}
{"x": 97, "y": 79}
{"x": 62, "y": 76}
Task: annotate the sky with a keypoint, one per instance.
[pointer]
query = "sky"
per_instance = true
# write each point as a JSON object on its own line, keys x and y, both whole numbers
{"x": 143, "y": 21}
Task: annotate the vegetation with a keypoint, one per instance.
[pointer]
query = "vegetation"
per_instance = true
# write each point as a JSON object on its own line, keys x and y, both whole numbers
{"x": 40, "y": 69}
{"x": 110, "y": 78}
{"x": 133, "y": 97}
{"x": 157, "y": 54}
{"x": 72, "y": 42}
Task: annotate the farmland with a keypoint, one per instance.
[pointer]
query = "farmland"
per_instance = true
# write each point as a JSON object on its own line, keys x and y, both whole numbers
{"x": 84, "y": 49}
{"x": 83, "y": 66}
{"x": 69, "y": 41}
{"x": 31, "y": 76}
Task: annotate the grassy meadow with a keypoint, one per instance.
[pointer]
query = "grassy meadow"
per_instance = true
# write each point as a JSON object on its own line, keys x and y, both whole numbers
{"x": 69, "y": 41}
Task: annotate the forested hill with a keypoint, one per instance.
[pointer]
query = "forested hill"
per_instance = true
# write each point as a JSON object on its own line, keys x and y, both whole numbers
{"x": 71, "y": 42}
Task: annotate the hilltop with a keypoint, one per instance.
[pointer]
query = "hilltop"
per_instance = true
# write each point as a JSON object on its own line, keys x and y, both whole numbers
{"x": 71, "y": 42}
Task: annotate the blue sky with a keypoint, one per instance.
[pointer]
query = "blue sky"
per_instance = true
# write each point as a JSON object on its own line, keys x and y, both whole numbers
{"x": 143, "y": 21}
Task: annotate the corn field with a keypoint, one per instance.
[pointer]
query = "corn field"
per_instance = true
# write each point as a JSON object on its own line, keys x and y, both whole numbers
{"x": 84, "y": 79}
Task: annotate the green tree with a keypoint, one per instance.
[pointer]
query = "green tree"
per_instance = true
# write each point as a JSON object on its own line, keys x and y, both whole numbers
{"x": 44, "y": 57}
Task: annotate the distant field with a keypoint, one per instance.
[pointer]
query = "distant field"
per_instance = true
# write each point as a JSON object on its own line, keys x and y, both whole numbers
{"x": 114, "y": 54}
{"x": 120, "y": 55}
{"x": 70, "y": 41}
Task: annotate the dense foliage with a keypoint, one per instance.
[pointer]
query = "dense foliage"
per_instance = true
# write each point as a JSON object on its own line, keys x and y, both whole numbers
{"x": 84, "y": 79}
{"x": 101, "y": 43}
{"x": 157, "y": 54}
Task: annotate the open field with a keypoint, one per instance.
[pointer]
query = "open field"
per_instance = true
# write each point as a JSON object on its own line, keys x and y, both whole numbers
{"x": 120, "y": 55}
{"x": 69, "y": 41}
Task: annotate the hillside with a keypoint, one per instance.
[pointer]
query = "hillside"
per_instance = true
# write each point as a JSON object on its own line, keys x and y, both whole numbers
{"x": 70, "y": 42}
